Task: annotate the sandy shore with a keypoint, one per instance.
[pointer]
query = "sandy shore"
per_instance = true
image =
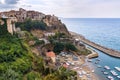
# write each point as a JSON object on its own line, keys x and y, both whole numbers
{"x": 84, "y": 66}
{"x": 90, "y": 75}
{"x": 84, "y": 70}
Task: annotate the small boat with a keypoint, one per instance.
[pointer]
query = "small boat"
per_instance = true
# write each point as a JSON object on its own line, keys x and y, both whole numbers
{"x": 107, "y": 67}
{"x": 118, "y": 77}
{"x": 96, "y": 62}
{"x": 106, "y": 73}
{"x": 110, "y": 77}
{"x": 75, "y": 67}
{"x": 79, "y": 72}
{"x": 88, "y": 75}
{"x": 80, "y": 76}
{"x": 93, "y": 71}
{"x": 113, "y": 73}
{"x": 102, "y": 71}
{"x": 99, "y": 66}
{"x": 83, "y": 72}
{"x": 89, "y": 60}
{"x": 97, "y": 59}
{"x": 117, "y": 68}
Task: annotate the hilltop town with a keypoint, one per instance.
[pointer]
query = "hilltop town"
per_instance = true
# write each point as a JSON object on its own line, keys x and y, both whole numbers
{"x": 21, "y": 15}
{"x": 53, "y": 23}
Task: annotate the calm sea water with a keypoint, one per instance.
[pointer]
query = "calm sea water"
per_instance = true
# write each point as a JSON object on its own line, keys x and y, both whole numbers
{"x": 104, "y": 31}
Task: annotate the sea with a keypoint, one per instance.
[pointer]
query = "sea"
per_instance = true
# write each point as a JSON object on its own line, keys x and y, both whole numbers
{"x": 103, "y": 31}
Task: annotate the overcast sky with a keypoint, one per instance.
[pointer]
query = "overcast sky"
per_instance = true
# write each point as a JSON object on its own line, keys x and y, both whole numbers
{"x": 68, "y": 8}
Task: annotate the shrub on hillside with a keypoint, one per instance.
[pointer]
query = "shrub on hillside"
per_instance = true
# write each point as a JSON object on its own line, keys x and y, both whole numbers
{"x": 58, "y": 47}
{"x": 3, "y": 28}
{"x": 33, "y": 76}
{"x": 70, "y": 46}
{"x": 28, "y": 25}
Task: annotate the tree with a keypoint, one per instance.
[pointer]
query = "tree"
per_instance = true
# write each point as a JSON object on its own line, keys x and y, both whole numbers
{"x": 58, "y": 47}
{"x": 70, "y": 46}
{"x": 10, "y": 75}
{"x": 28, "y": 25}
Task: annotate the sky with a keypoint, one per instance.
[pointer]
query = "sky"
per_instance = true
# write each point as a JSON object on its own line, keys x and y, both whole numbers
{"x": 68, "y": 8}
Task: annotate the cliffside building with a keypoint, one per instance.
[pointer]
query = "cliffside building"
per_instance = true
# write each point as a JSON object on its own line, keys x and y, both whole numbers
{"x": 19, "y": 16}
{"x": 10, "y": 23}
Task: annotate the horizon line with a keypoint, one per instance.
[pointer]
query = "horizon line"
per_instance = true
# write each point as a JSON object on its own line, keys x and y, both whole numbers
{"x": 91, "y": 17}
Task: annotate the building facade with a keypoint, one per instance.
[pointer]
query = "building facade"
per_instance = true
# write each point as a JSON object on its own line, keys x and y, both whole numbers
{"x": 22, "y": 14}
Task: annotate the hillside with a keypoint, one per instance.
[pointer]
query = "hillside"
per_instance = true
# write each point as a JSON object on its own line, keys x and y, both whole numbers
{"x": 18, "y": 62}
{"x": 23, "y": 54}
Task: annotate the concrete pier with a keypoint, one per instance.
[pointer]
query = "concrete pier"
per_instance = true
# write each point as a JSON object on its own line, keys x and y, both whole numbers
{"x": 104, "y": 49}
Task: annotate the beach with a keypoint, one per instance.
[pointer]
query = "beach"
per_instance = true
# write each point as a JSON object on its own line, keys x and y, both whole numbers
{"x": 85, "y": 70}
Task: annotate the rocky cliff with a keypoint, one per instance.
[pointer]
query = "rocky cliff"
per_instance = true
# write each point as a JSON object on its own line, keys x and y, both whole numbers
{"x": 54, "y": 24}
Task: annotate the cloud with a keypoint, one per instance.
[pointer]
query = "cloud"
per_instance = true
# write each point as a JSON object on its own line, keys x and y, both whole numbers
{"x": 11, "y": 1}
{"x": 9, "y": 4}
{"x": 68, "y": 8}
{"x": 25, "y": 5}
{"x": 85, "y": 8}
{"x": 2, "y": 1}
{"x": 6, "y": 6}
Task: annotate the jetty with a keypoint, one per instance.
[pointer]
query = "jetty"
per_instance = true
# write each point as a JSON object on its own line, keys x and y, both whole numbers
{"x": 108, "y": 51}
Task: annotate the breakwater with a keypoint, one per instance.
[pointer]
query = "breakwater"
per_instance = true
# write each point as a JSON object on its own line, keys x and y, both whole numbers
{"x": 104, "y": 49}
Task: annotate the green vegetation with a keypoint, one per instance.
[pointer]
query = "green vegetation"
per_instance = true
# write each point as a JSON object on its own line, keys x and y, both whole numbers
{"x": 60, "y": 46}
{"x": 61, "y": 42}
{"x": 28, "y": 25}
{"x": 3, "y": 28}
{"x": 85, "y": 52}
{"x": 61, "y": 74}
{"x": 10, "y": 75}
{"x": 14, "y": 56}
{"x": 38, "y": 42}
{"x": 59, "y": 35}
{"x": 17, "y": 62}
{"x": 33, "y": 76}
{"x": 70, "y": 46}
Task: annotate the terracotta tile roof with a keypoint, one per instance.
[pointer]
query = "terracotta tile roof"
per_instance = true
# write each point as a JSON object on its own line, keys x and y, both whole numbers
{"x": 50, "y": 54}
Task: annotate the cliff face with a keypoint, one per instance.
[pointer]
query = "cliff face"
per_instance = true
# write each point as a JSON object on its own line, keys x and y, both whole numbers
{"x": 54, "y": 24}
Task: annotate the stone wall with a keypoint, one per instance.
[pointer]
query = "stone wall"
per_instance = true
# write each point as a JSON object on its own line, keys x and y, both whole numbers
{"x": 11, "y": 24}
